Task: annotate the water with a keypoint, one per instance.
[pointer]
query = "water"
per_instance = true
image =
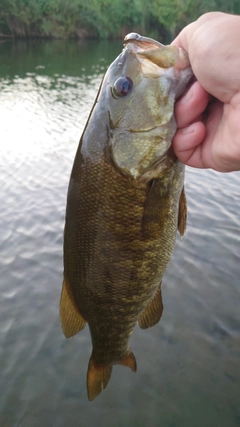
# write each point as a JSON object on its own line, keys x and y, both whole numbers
{"x": 189, "y": 364}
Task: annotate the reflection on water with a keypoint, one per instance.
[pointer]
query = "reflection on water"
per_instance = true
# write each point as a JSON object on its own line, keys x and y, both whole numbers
{"x": 188, "y": 365}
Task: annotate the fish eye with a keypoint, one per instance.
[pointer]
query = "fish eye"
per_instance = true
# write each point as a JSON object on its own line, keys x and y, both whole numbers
{"x": 122, "y": 87}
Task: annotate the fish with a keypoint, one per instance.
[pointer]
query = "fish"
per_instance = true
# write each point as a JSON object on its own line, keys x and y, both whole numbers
{"x": 125, "y": 204}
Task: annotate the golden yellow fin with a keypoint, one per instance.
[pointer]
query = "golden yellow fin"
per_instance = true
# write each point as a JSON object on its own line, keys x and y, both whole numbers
{"x": 153, "y": 312}
{"x": 182, "y": 213}
{"x": 97, "y": 378}
{"x": 130, "y": 361}
{"x": 71, "y": 320}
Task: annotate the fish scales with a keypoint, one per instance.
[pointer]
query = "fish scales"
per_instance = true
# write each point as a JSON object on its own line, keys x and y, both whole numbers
{"x": 112, "y": 284}
{"x": 119, "y": 235}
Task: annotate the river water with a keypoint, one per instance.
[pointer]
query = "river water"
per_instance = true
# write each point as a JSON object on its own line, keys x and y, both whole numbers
{"x": 189, "y": 364}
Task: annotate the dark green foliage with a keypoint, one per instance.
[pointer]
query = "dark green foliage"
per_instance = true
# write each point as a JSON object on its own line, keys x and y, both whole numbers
{"x": 103, "y": 18}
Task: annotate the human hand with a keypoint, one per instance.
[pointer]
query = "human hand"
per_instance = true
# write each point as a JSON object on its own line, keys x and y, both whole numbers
{"x": 208, "y": 114}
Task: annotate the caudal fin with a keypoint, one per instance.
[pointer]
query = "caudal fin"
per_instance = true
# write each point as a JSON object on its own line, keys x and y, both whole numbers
{"x": 99, "y": 375}
{"x": 97, "y": 378}
{"x": 129, "y": 360}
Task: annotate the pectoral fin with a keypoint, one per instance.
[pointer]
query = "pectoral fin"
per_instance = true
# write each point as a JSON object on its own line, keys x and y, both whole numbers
{"x": 182, "y": 213}
{"x": 71, "y": 320}
{"x": 153, "y": 312}
{"x": 156, "y": 210}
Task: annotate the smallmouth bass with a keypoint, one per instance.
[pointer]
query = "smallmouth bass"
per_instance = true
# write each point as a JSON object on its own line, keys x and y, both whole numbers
{"x": 125, "y": 203}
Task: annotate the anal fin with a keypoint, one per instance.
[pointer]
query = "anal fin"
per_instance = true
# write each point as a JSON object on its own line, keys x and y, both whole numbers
{"x": 71, "y": 320}
{"x": 153, "y": 312}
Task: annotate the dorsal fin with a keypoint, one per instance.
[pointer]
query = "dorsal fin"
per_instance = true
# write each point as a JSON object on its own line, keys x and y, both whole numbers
{"x": 71, "y": 319}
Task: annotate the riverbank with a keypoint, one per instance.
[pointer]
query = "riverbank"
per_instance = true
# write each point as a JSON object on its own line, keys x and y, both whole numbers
{"x": 102, "y": 19}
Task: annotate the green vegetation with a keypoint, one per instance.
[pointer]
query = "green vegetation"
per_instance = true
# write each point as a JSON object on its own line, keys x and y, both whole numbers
{"x": 103, "y": 18}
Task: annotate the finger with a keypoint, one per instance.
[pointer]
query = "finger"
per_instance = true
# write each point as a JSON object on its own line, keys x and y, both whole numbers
{"x": 191, "y": 105}
{"x": 187, "y": 144}
{"x": 182, "y": 39}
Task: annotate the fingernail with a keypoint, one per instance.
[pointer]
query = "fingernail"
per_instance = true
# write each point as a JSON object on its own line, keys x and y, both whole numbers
{"x": 189, "y": 129}
{"x": 187, "y": 96}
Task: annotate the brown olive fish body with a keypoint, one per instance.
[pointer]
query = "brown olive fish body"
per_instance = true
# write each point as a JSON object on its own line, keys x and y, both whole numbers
{"x": 125, "y": 203}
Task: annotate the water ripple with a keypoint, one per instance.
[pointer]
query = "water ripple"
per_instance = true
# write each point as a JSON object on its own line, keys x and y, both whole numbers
{"x": 188, "y": 365}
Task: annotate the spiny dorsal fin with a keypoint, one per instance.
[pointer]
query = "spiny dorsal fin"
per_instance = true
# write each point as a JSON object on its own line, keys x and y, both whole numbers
{"x": 97, "y": 378}
{"x": 71, "y": 320}
{"x": 153, "y": 312}
{"x": 182, "y": 213}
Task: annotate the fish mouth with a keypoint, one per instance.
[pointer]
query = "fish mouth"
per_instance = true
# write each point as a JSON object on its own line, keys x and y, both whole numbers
{"x": 142, "y": 41}
{"x": 154, "y": 56}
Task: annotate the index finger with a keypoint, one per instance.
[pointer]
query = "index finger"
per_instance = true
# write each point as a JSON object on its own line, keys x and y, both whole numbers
{"x": 191, "y": 105}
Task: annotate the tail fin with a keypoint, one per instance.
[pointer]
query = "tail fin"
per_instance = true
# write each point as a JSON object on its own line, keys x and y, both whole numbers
{"x": 129, "y": 360}
{"x": 99, "y": 375}
{"x": 97, "y": 378}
